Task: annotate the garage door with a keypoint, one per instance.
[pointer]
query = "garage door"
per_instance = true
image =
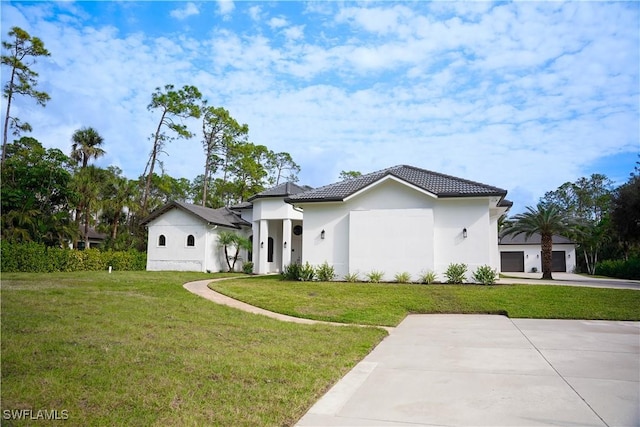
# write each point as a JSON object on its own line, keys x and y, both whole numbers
{"x": 558, "y": 261}
{"x": 512, "y": 261}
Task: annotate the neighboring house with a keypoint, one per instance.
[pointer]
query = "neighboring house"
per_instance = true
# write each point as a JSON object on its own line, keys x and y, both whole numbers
{"x": 519, "y": 254}
{"x": 95, "y": 238}
{"x": 184, "y": 237}
{"x": 400, "y": 219}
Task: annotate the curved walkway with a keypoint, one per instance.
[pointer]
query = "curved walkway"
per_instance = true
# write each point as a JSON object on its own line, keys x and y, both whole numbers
{"x": 202, "y": 289}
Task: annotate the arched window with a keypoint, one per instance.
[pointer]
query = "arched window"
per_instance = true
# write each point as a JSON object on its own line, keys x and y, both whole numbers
{"x": 250, "y": 252}
{"x": 162, "y": 241}
{"x": 270, "y": 250}
{"x": 191, "y": 241}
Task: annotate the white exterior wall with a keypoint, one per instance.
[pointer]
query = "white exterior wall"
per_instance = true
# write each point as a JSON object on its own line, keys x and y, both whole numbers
{"x": 532, "y": 258}
{"x": 275, "y": 219}
{"x": 395, "y": 228}
{"x": 451, "y": 217}
{"x": 176, "y": 225}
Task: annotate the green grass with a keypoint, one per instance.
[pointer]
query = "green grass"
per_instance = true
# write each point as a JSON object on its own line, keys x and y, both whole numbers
{"x": 136, "y": 348}
{"x": 387, "y": 304}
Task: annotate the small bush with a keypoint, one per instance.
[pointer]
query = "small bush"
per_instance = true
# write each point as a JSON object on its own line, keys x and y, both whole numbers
{"x": 352, "y": 277}
{"x": 375, "y": 276}
{"x": 291, "y": 272}
{"x": 247, "y": 267}
{"x": 403, "y": 277}
{"x": 456, "y": 273}
{"x": 429, "y": 277}
{"x": 485, "y": 275}
{"x": 307, "y": 272}
{"x": 325, "y": 272}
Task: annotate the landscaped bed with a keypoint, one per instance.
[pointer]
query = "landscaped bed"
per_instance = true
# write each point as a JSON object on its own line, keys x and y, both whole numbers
{"x": 138, "y": 349}
{"x": 388, "y": 303}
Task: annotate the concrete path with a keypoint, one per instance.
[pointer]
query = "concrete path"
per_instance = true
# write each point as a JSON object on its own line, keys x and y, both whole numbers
{"x": 202, "y": 289}
{"x": 481, "y": 370}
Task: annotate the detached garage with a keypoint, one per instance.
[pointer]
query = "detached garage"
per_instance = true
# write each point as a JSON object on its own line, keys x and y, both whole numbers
{"x": 518, "y": 254}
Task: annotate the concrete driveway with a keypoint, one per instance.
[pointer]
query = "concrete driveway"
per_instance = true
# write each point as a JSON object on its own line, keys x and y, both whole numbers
{"x": 482, "y": 370}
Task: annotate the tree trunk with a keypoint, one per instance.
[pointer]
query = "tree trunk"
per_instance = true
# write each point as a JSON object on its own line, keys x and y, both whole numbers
{"x": 6, "y": 117}
{"x": 547, "y": 260}
{"x": 154, "y": 154}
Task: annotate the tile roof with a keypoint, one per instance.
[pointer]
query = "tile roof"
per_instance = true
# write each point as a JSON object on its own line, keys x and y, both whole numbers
{"x": 282, "y": 190}
{"x": 436, "y": 183}
{"x": 221, "y": 216}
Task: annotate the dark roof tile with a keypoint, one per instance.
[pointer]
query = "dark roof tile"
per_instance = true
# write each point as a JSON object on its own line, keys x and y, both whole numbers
{"x": 439, "y": 184}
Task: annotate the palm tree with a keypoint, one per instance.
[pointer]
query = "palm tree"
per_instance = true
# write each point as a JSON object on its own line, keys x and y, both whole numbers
{"x": 228, "y": 239}
{"x": 86, "y": 145}
{"x": 546, "y": 220}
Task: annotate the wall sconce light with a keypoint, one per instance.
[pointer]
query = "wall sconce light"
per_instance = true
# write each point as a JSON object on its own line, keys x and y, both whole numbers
{"x": 322, "y": 234}
{"x": 464, "y": 233}
{"x": 285, "y": 245}
{"x": 537, "y": 255}
{"x": 568, "y": 255}
{"x": 262, "y": 244}
{"x": 527, "y": 255}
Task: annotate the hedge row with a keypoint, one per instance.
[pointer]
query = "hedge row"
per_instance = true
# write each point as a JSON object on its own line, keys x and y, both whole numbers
{"x": 37, "y": 258}
{"x": 629, "y": 269}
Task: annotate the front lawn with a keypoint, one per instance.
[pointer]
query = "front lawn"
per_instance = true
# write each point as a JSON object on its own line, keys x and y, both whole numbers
{"x": 387, "y": 304}
{"x": 136, "y": 348}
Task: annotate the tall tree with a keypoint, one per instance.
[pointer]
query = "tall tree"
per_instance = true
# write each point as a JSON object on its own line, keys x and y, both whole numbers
{"x": 219, "y": 131}
{"x": 174, "y": 106}
{"x": 587, "y": 202}
{"x": 85, "y": 145}
{"x": 118, "y": 195}
{"x": 625, "y": 213}
{"x": 22, "y": 51}
{"x": 546, "y": 221}
{"x": 35, "y": 193}
{"x": 281, "y": 162}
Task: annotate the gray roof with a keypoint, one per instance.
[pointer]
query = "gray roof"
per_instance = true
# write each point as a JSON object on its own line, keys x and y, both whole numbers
{"x": 440, "y": 185}
{"x": 534, "y": 239}
{"x": 221, "y": 216}
{"x": 282, "y": 190}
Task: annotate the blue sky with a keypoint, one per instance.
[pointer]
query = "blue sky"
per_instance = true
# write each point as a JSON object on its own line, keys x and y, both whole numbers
{"x": 524, "y": 96}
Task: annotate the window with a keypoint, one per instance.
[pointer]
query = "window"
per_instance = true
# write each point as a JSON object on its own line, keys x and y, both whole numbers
{"x": 270, "y": 250}
{"x": 162, "y": 241}
{"x": 250, "y": 252}
{"x": 191, "y": 241}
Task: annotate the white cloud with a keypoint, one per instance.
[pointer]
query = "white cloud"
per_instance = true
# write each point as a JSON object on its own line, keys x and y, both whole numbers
{"x": 225, "y": 7}
{"x": 188, "y": 10}
{"x": 518, "y": 95}
{"x": 277, "y": 22}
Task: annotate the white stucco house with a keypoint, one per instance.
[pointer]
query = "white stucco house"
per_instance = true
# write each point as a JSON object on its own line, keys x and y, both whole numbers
{"x": 524, "y": 255}
{"x": 400, "y": 219}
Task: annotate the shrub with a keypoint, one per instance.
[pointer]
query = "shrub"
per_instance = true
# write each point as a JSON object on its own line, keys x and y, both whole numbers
{"x": 247, "y": 267}
{"x": 374, "y": 276}
{"x": 485, "y": 275}
{"x": 37, "y": 258}
{"x": 456, "y": 273}
{"x": 299, "y": 272}
{"x": 325, "y": 272}
{"x": 403, "y": 277}
{"x": 429, "y": 277}
{"x": 307, "y": 272}
{"x": 291, "y": 272}
{"x": 621, "y": 269}
{"x": 352, "y": 277}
